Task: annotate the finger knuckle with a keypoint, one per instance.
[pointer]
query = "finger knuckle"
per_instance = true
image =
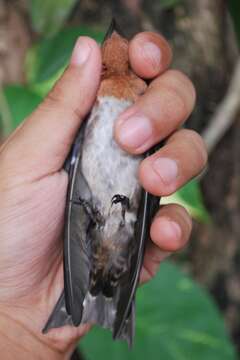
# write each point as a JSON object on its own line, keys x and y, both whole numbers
{"x": 181, "y": 80}
{"x": 178, "y": 101}
{"x": 192, "y": 144}
{"x": 183, "y": 89}
{"x": 55, "y": 96}
{"x": 198, "y": 145}
{"x": 175, "y": 105}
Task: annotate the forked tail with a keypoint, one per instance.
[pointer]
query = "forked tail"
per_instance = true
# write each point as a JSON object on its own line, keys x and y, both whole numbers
{"x": 97, "y": 310}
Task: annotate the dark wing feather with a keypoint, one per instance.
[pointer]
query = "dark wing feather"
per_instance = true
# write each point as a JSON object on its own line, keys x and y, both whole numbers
{"x": 76, "y": 257}
{"x": 59, "y": 316}
{"x": 148, "y": 206}
{"x": 127, "y": 292}
{"x": 68, "y": 310}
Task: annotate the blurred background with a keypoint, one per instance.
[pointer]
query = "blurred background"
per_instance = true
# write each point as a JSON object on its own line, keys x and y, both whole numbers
{"x": 191, "y": 309}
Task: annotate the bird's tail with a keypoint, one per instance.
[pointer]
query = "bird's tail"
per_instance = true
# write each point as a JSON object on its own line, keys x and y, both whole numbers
{"x": 96, "y": 310}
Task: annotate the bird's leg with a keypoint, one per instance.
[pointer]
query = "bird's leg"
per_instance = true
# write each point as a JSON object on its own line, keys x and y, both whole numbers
{"x": 124, "y": 200}
{"x": 92, "y": 212}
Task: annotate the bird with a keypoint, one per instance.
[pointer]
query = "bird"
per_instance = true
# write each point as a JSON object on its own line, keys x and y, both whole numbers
{"x": 108, "y": 214}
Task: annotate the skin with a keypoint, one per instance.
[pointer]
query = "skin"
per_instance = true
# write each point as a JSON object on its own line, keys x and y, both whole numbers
{"x": 33, "y": 188}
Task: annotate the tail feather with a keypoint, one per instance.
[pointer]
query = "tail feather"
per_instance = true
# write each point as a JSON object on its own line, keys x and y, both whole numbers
{"x": 97, "y": 310}
{"x": 128, "y": 331}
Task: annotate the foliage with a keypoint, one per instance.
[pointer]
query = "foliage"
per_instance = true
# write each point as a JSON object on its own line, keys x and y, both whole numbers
{"x": 165, "y": 4}
{"x": 45, "y": 63}
{"x": 21, "y": 102}
{"x": 234, "y": 7}
{"x": 176, "y": 320}
{"x": 191, "y": 198}
{"x": 48, "y": 16}
{"x": 49, "y": 56}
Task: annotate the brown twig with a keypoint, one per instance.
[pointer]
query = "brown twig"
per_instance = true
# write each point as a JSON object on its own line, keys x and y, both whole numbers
{"x": 225, "y": 113}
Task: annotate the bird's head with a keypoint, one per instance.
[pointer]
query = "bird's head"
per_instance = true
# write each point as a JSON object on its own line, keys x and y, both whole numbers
{"x": 115, "y": 55}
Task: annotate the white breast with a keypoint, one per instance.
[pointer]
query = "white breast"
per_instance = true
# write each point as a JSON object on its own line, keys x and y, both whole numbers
{"x": 107, "y": 169}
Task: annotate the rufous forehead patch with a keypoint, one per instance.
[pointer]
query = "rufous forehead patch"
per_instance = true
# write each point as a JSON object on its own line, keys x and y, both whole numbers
{"x": 118, "y": 79}
{"x": 115, "y": 55}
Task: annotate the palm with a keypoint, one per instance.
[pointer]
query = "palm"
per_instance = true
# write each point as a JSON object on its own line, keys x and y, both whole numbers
{"x": 33, "y": 231}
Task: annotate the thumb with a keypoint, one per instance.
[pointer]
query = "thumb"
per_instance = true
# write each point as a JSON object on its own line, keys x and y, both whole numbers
{"x": 41, "y": 144}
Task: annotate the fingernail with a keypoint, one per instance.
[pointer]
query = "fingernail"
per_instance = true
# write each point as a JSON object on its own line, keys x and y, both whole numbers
{"x": 135, "y": 131}
{"x": 152, "y": 53}
{"x": 81, "y": 52}
{"x": 167, "y": 170}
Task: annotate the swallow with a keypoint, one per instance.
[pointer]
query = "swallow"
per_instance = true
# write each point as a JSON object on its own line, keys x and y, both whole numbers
{"x": 108, "y": 214}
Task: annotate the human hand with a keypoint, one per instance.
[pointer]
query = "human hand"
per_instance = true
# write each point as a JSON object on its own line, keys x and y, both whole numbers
{"x": 33, "y": 185}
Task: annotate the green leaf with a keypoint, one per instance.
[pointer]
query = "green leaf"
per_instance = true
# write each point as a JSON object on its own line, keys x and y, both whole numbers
{"x": 43, "y": 88}
{"x": 50, "y": 56}
{"x": 190, "y": 196}
{"x": 21, "y": 102}
{"x": 6, "y": 123}
{"x": 165, "y": 4}
{"x": 48, "y": 16}
{"x": 176, "y": 320}
{"x": 234, "y": 7}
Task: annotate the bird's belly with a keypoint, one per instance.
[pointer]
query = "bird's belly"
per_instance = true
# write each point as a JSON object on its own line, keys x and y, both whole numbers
{"x": 107, "y": 169}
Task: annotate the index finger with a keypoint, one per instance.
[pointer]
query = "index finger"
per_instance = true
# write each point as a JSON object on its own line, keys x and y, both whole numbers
{"x": 149, "y": 54}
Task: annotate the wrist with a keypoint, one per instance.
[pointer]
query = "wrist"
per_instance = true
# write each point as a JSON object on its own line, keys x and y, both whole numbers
{"x": 17, "y": 341}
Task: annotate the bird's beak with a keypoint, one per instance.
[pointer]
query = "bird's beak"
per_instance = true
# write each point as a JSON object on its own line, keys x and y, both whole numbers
{"x": 114, "y": 27}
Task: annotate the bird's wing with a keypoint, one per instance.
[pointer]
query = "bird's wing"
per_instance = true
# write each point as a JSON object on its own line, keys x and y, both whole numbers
{"x": 76, "y": 252}
{"x": 124, "y": 315}
{"x": 125, "y": 310}
{"x": 69, "y": 307}
{"x": 59, "y": 316}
